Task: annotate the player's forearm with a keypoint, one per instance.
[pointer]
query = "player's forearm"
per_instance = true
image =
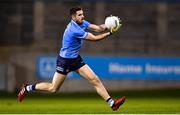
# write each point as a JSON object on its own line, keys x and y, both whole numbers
{"x": 98, "y": 28}
{"x": 102, "y": 28}
{"x": 102, "y": 36}
{"x": 92, "y": 37}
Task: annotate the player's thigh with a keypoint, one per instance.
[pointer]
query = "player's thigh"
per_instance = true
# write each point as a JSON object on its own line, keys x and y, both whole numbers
{"x": 58, "y": 79}
{"x": 86, "y": 72}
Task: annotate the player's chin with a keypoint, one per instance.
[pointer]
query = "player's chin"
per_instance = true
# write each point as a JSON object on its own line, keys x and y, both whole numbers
{"x": 80, "y": 22}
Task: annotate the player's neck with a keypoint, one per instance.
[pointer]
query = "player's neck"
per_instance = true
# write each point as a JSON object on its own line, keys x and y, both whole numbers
{"x": 77, "y": 22}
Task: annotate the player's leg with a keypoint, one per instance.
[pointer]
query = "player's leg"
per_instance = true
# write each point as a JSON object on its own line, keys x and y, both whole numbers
{"x": 56, "y": 83}
{"x": 86, "y": 72}
{"x": 58, "y": 79}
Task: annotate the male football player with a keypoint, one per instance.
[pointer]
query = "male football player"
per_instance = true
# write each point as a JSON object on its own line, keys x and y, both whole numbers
{"x": 69, "y": 59}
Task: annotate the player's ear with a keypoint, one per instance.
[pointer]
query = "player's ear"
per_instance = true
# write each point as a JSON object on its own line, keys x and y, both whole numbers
{"x": 73, "y": 16}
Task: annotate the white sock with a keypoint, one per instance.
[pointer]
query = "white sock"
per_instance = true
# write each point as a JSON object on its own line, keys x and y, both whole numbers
{"x": 110, "y": 101}
{"x": 29, "y": 88}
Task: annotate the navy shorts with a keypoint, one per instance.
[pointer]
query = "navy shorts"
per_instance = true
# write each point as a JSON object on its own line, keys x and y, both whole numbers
{"x": 66, "y": 65}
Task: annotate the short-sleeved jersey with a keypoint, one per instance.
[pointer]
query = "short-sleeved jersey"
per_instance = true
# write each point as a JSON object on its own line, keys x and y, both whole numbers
{"x": 73, "y": 39}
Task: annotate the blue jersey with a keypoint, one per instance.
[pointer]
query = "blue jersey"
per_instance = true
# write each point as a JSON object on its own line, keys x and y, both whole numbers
{"x": 73, "y": 39}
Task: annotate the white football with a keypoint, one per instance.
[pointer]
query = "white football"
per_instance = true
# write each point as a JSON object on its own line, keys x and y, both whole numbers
{"x": 112, "y": 21}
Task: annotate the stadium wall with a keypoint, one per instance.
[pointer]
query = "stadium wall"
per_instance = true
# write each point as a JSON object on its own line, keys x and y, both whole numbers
{"x": 22, "y": 68}
{"x": 149, "y": 29}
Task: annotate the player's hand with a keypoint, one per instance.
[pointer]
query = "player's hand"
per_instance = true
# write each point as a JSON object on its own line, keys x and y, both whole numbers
{"x": 115, "y": 29}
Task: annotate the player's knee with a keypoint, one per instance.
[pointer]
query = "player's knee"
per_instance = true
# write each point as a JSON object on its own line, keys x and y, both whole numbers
{"x": 53, "y": 90}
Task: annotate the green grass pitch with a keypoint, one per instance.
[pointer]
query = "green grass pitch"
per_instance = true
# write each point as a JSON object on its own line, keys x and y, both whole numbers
{"x": 138, "y": 102}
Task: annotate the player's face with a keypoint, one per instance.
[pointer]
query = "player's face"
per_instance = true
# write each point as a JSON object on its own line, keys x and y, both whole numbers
{"x": 79, "y": 17}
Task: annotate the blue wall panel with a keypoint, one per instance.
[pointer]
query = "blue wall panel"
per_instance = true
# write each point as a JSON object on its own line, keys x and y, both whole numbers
{"x": 134, "y": 68}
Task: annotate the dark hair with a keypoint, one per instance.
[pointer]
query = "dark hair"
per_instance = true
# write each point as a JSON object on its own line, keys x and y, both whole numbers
{"x": 73, "y": 10}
